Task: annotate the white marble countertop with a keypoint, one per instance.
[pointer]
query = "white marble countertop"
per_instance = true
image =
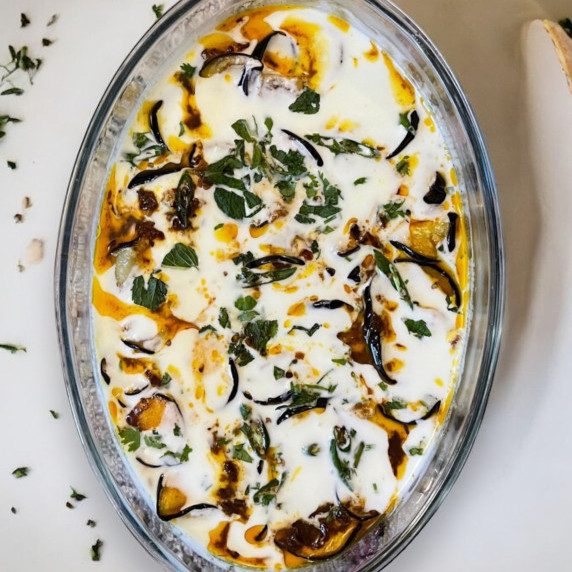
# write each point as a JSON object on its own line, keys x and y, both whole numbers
{"x": 509, "y": 510}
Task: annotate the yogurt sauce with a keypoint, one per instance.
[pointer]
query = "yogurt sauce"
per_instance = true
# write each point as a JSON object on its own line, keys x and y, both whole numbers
{"x": 280, "y": 288}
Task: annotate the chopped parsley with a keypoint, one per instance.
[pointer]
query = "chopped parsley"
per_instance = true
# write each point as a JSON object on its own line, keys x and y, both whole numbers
{"x": 223, "y": 318}
{"x": 403, "y": 167}
{"x": 259, "y": 332}
{"x": 360, "y": 181}
{"x": 416, "y": 451}
{"x": 158, "y": 10}
{"x": 392, "y": 210}
{"x": 187, "y": 70}
{"x": 130, "y": 437}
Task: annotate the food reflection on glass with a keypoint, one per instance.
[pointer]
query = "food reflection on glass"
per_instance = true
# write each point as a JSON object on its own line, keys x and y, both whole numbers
{"x": 281, "y": 287}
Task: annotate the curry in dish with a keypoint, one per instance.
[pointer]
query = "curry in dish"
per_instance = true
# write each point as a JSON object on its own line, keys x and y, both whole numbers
{"x": 281, "y": 287}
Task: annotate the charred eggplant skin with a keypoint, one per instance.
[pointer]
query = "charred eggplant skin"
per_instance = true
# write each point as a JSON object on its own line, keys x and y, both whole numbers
{"x": 414, "y": 122}
{"x": 183, "y": 512}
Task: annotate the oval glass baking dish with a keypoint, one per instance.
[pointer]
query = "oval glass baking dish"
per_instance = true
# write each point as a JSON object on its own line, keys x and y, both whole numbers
{"x": 162, "y": 45}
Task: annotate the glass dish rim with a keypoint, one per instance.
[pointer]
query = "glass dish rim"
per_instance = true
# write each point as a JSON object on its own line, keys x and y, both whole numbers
{"x": 496, "y": 294}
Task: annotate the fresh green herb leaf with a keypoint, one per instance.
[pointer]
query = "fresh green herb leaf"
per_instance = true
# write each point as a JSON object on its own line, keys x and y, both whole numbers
{"x": 390, "y": 270}
{"x": 21, "y": 472}
{"x": 266, "y": 494}
{"x": 404, "y": 121}
{"x": 403, "y": 167}
{"x": 338, "y": 146}
{"x": 245, "y": 303}
{"x": 166, "y": 379}
{"x": 292, "y": 161}
{"x": 4, "y": 120}
{"x": 181, "y": 129}
{"x": 241, "y": 129}
{"x": 382, "y": 385}
{"x": 312, "y": 450}
{"x": 223, "y": 318}
{"x": 252, "y": 279}
{"x": 360, "y": 181}
{"x": 54, "y": 414}
{"x": 243, "y": 356}
{"x": 342, "y": 466}
{"x": 158, "y": 10}
{"x": 248, "y": 316}
{"x": 395, "y": 404}
{"x": 374, "y": 485}
{"x": 91, "y": 523}
{"x": 239, "y": 453}
{"x": 184, "y": 454}
{"x": 310, "y": 331}
{"x": 416, "y": 451}
{"x": 257, "y": 436}
{"x": 184, "y": 195}
{"x": 279, "y": 373}
{"x": 12, "y": 348}
{"x": 340, "y": 361}
{"x": 245, "y": 411}
{"x": 77, "y": 496}
{"x": 308, "y": 102}
{"x": 154, "y": 441}
{"x": 243, "y": 258}
{"x": 231, "y": 204}
{"x": 150, "y": 297}
{"x": 392, "y": 210}
{"x": 181, "y": 256}
{"x": 130, "y": 437}
{"x": 259, "y": 333}
{"x": 24, "y": 20}
{"x": 302, "y": 395}
{"x": 187, "y": 70}
{"x": 177, "y": 430}
{"x": 47, "y": 42}
{"x": 11, "y": 164}
{"x": 12, "y": 91}
{"x": 96, "y": 550}
{"x": 417, "y": 327}
{"x": 358, "y": 454}
{"x": 209, "y": 328}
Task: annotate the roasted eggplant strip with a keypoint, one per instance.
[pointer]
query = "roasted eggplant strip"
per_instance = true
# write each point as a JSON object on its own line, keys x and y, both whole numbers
{"x": 282, "y": 398}
{"x": 234, "y": 374}
{"x": 355, "y": 274}
{"x": 411, "y": 132}
{"x": 258, "y": 54}
{"x": 349, "y": 252}
{"x": 307, "y": 145}
{"x": 439, "y": 270}
{"x": 262, "y": 534}
{"x": 332, "y": 304}
{"x": 137, "y": 391}
{"x": 436, "y": 193}
{"x": 146, "y": 464}
{"x": 103, "y": 371}
{"x": 115, "y": 248}
{"x": 154, "y": 124}
{"x": 429, "y": 413}
{"x": 452, "y": 232}
{"x": 352, "y": 512}
{"x": 137, "y": 347}
{"x": 273, "y": 259}
{"x": 321, "y": 403}
{"x": 221, "y": 62}
{"x": 372, "y": 335}
{"x": 170, "y": 501}
{"x": 149, "y": 175}
{"x": 410, "y": 252}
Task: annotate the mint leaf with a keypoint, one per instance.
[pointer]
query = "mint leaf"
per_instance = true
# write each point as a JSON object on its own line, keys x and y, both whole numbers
{"x": 152, "y": 296}
{"x": 239, "y": 453}
{"x": 279, "y": 373}
{"x": 339, "y": 145}
{"x": 308, "y": 102}
{"x": 223, "y": 318}
{"x": 181, "y": 256}
{"x": 417, "y": 327}
{"x": 12, "y": 348}
{"x": 231, "y": 204}
{"x": 259, "y": 333}
{"x": 245, "y": 303}
{"x": 21, "y": 472}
